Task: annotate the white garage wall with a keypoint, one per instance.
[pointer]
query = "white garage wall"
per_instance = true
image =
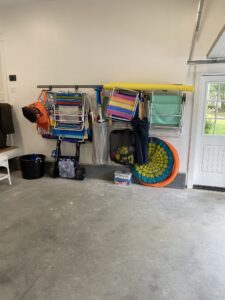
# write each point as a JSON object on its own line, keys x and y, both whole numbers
{"x": 86, "y": 41}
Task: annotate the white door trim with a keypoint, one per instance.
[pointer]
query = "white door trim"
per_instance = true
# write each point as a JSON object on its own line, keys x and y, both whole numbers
{"x": 4, "y": 72}
{"x": 199, "y": 91}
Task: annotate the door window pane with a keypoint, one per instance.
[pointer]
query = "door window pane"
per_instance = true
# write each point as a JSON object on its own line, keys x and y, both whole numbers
{"x": 222, "y": 91}
{"x": 215, "y": 109}
{"x": 211, "y": 109}
{"x": 209, "y": 126}
{"x": 220, "y": 127}
{"x": 213, "y": 89}
{"x": 221, "y": 110}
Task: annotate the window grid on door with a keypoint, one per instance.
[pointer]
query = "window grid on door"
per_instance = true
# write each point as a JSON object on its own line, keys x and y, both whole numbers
{"x": 215, "y": 109}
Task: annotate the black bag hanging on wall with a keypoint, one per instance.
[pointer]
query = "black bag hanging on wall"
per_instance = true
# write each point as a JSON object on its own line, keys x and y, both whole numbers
{"x": 6, "y": 123}
{"x": 3, "y": 139}
{"x": 141, "y": 133}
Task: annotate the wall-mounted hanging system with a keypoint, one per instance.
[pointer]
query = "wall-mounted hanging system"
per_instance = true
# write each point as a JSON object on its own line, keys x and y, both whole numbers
{"x": 96, "y": 87}
{"x": 70, "y": 86}
{"x": 165, "y": 106}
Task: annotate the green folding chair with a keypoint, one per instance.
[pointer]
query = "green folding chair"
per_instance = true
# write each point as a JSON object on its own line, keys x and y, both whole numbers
{"x": 166, "y": 110}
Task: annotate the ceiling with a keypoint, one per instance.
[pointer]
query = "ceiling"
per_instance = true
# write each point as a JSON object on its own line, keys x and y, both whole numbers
{"x": 218, "y": 48}
{"x": 10, "y": 2}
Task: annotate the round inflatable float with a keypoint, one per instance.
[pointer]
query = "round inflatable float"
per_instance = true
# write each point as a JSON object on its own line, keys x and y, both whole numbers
{"x": 163, "y": 165}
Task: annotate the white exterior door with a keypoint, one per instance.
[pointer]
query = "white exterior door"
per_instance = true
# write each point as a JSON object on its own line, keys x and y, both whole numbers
{"x": 209, "y": 168}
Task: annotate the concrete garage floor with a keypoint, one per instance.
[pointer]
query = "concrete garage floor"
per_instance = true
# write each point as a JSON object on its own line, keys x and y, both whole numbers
{"x": 67, "y": 240}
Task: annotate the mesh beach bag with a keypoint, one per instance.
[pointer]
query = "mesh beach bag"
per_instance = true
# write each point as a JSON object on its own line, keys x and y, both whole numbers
{"x": 67, "y": 167}
{"x": 122, "y": 146}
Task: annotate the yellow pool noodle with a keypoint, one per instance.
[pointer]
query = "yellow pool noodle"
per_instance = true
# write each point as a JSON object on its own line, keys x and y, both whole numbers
{"x": 149, "y": 87}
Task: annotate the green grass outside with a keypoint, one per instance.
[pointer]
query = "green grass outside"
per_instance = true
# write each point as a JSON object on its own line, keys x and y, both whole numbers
{"x": 219, "y": 129}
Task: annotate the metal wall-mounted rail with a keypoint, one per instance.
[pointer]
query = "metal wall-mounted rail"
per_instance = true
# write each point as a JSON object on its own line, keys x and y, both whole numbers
{"x": 73, "y": 86}
{"x": 98, "y": 88}
{"x": 205, "y": 61}
{"x": 196, "y": 28}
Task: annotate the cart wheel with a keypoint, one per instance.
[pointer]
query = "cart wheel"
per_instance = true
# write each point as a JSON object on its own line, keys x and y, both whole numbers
{"x": 80, "y": 173}
{"x": 54, "y": 171}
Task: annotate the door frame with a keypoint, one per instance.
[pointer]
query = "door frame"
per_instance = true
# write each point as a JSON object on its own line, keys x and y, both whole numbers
{"x": 199, "y": 93}
{"x": 4, "y": 72}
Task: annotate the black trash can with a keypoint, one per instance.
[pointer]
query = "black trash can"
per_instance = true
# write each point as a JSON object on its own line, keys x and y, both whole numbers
{"x": 32, "y": 166}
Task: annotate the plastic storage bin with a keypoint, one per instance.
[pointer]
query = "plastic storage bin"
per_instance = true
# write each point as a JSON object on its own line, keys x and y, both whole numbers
{"x": 32, "y": 166}
{"x": 122, "y": 178}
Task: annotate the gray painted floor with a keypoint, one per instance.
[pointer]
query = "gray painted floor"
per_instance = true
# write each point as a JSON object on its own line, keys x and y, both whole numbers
{"x": 67, "y": 240}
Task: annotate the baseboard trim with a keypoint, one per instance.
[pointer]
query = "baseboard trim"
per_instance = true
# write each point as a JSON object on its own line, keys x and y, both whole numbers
{"x": 208, "y": 188}
{"x": 106, "y": 172}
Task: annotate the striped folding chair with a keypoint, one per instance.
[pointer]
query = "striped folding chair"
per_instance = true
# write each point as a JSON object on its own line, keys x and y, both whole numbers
{"x": 122, "y": 105}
